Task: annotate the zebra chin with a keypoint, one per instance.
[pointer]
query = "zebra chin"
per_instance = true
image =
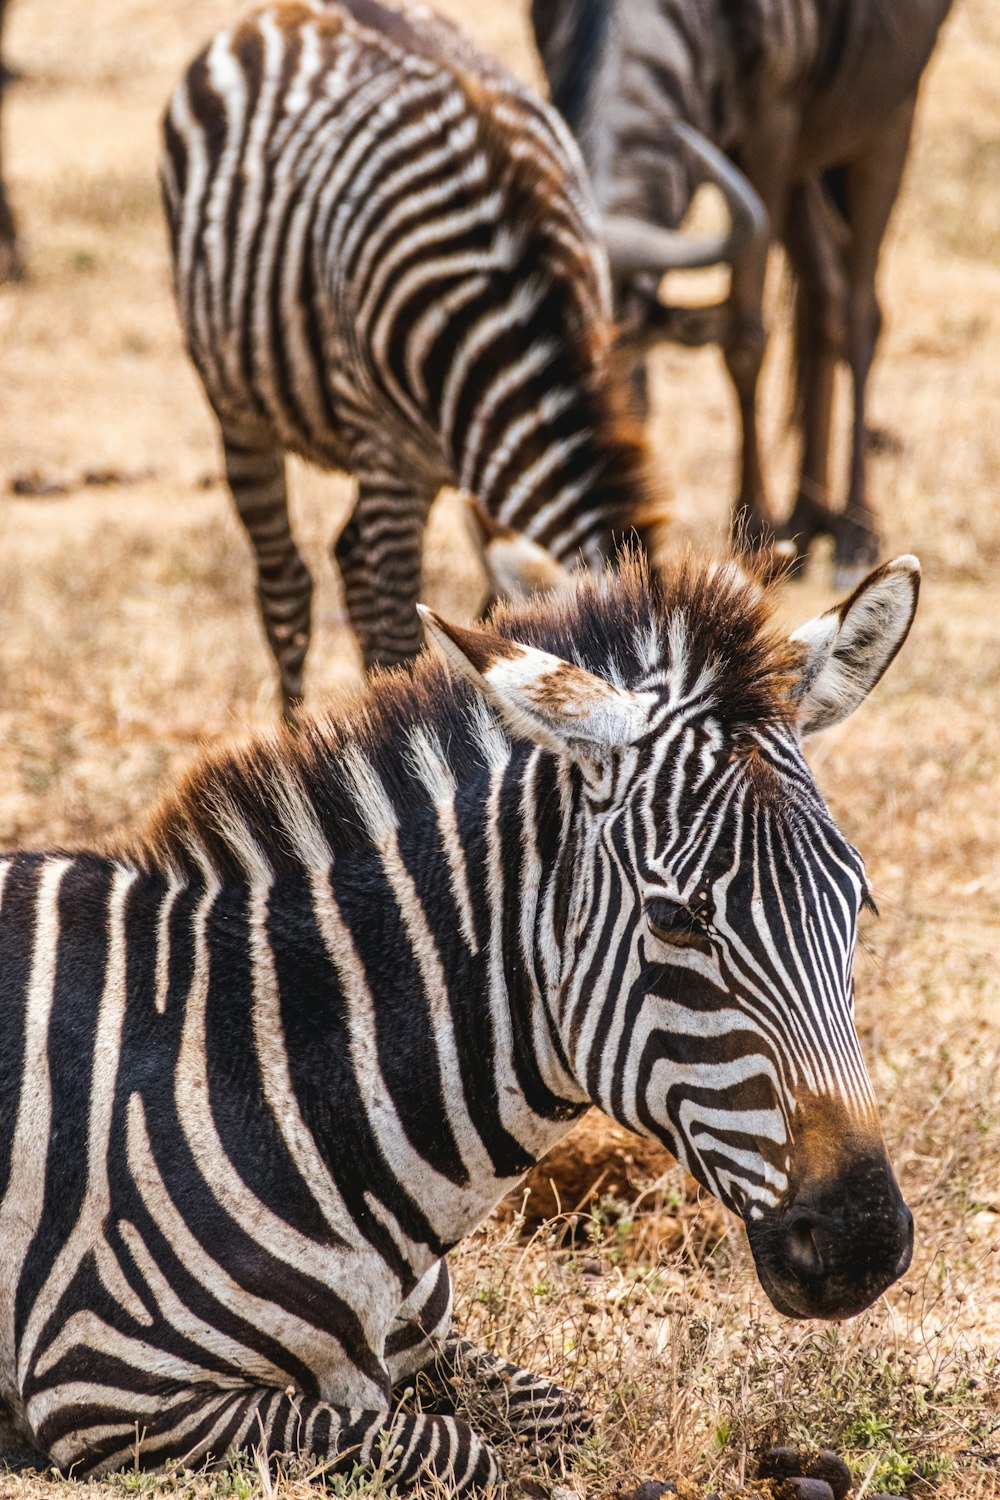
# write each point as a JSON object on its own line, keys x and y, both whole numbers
{"x": 836, "y": 1243}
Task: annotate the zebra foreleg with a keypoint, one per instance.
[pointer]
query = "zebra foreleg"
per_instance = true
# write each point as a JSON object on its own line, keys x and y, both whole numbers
{"x": 256, "y": 478}
{"x": 194, "y": 1426}
{"x": 501, "y": 1397}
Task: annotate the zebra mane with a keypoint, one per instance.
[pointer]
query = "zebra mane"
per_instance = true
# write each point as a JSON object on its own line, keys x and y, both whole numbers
{"x": 284, "y": 800}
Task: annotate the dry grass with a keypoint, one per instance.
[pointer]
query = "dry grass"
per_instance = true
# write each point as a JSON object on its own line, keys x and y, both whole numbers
{"x": 129, "y": 634}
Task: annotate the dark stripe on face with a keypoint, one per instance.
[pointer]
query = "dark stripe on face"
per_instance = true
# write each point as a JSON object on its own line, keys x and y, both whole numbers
{"x": 539, "y": 1096}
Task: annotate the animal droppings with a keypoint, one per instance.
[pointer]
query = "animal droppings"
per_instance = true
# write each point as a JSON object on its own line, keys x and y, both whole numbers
{"x": 652, "y": 1489}
{"x": 823, "y": 1467}
{"x": 806, "y": 1489}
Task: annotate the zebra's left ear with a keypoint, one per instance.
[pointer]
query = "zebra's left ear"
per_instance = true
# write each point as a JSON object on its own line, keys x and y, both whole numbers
{"x": 542, "y": 697}
{"x": 848, "y": 648}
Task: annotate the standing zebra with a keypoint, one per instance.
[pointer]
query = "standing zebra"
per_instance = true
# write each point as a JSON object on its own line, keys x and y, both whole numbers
{"x": 814, "y": 101}
{"x": 386, "y": 260}
{"x": 265, "y": 1064}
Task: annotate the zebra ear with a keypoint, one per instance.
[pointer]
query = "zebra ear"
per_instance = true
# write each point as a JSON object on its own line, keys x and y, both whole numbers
{"x": 848, "y": 648}
{"x": 542, "y": 697}
{"x": 515, "y": 565}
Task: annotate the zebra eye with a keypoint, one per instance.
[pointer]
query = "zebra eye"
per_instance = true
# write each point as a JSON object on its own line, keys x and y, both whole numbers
{"x": 675, "y": 923}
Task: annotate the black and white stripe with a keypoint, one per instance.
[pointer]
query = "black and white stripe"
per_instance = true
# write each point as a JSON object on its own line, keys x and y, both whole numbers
{"x": 387, "y": 260}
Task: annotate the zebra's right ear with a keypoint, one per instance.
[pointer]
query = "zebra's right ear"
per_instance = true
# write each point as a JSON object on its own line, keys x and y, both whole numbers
{"x": 542, "y": 697}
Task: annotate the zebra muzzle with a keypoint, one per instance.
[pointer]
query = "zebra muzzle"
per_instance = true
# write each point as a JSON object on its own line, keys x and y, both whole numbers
{"x": 837, "y": 1245}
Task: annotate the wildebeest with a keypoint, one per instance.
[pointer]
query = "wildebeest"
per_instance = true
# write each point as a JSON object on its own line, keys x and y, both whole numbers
{"x": 813, "y": 100}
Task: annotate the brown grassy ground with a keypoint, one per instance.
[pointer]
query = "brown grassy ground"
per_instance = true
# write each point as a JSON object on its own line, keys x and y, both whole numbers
{"x": 128, "y": 635}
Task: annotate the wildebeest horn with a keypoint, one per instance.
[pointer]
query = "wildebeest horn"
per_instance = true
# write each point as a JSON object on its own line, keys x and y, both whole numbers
{"x": 635, "y": 246}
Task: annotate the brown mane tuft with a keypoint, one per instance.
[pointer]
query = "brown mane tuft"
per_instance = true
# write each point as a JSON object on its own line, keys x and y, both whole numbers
{"x": 711, "y": 624}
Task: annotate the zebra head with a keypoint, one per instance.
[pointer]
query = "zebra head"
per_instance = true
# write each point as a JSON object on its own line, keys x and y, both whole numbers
{"x": 703, "y": 908}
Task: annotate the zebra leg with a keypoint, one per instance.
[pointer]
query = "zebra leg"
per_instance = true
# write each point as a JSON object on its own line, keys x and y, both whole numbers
{"x": 502, "y": 1397}
{"x": 256, "y": 476}
{"x": 192, "y": 1426}
{"x": 379, "y": 555}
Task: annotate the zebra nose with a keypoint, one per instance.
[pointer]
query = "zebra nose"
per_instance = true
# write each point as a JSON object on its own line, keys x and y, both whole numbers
{"x": 813, "y": 1244}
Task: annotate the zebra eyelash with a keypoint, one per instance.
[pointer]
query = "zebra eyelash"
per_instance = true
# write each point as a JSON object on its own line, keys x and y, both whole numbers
{"x": 868, "y": 903}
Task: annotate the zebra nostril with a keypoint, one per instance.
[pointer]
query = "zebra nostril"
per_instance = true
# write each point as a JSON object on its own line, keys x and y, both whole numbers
{"x": 801, "y": 1243}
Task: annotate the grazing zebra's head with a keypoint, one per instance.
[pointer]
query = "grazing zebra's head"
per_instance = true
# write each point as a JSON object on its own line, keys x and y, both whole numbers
{"x": 704, "y": 915}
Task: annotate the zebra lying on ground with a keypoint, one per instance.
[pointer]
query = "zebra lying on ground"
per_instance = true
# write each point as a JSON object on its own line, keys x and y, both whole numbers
{"x": 387, "y": 260}
{"x": 814, "y": 100}
{"x": 266, "y": 1063}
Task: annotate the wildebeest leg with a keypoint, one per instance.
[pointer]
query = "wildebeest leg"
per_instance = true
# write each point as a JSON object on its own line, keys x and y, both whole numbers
{"x": 633, "y": 311}
{"x": 11, "y": 267}
{"x": 767, "y": 169}
{"x": 379, "y": 557}
{"x": 256, "y": 473}
{"x": 870, "y": 187}
{"x": 752, "y": 521}
{"x": 815, "y": 238}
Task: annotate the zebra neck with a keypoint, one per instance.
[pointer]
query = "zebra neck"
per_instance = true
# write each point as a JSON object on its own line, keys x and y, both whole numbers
{"x": 407, "y": 989}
